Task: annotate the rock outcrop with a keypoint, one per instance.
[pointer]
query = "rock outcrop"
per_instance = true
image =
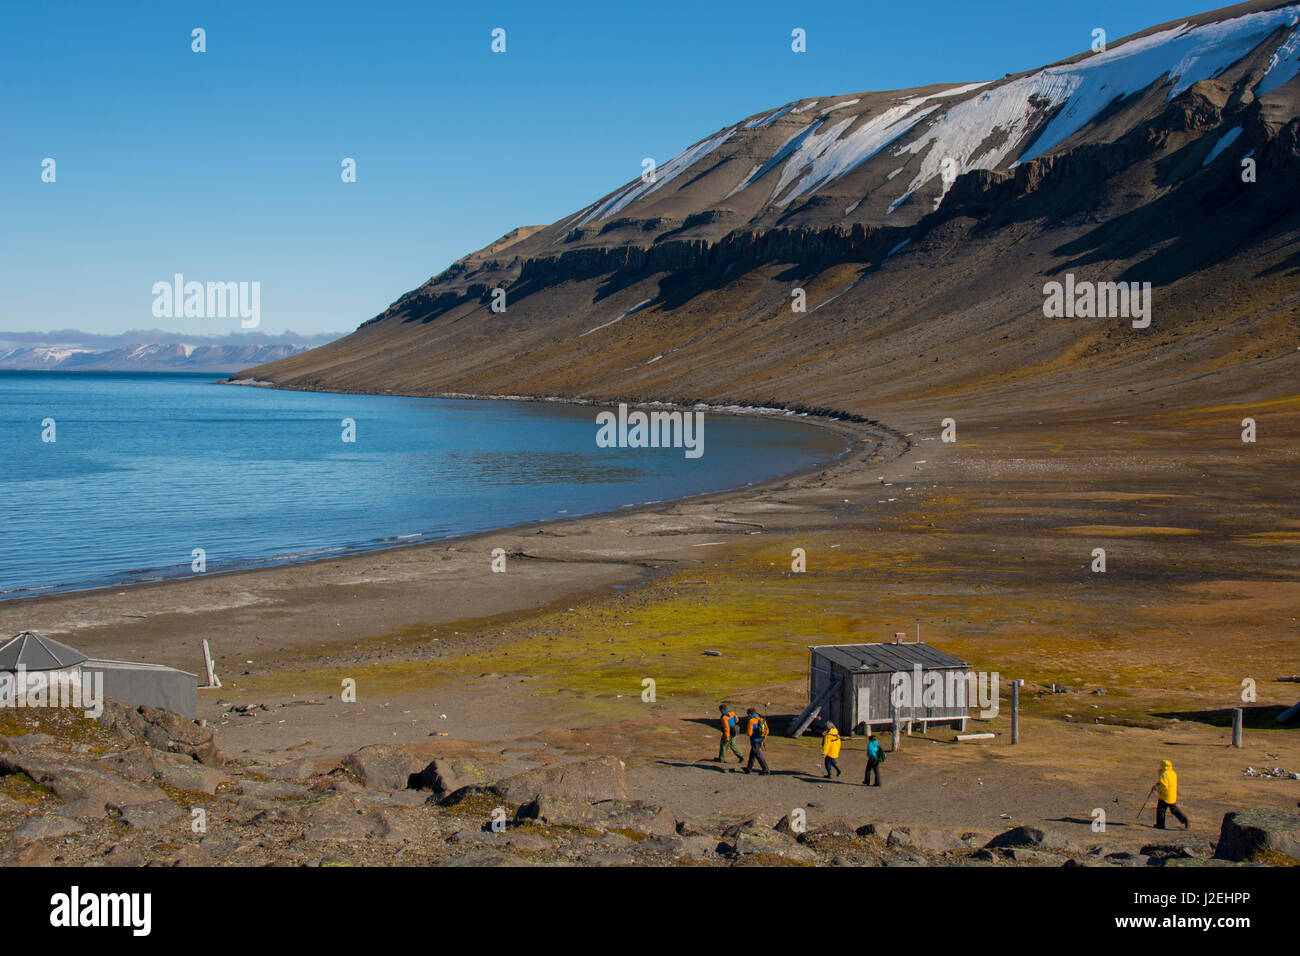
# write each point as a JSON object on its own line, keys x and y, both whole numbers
{"x": 1265, "y": 835}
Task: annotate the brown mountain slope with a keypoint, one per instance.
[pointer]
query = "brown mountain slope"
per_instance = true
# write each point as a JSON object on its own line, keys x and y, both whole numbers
{"x": 922, "y": 226}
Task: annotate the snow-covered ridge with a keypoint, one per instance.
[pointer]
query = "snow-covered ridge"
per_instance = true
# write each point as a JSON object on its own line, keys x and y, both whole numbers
{"x": 1003, "y": 124}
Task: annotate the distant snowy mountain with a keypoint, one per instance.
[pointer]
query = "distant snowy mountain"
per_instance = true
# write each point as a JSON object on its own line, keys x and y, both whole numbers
{"x": 78, "y": 351}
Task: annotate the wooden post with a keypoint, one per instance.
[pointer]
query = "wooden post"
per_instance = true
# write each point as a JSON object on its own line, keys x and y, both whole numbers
{"x": 894, "y": 726}
{"x": 1015, "y": 711}
{"x": 1236, "y": 727}
{"x": 213, "y": 680}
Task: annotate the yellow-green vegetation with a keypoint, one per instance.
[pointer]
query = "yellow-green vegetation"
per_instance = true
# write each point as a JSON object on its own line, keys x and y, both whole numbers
{"x": 997, "y": 573}
{"x": 67, "y": 725}
{"x": 25, "y": 790}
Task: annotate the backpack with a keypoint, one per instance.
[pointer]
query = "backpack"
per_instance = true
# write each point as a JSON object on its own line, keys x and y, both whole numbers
{"x": 879, "y": 756}
{"x": 761, "y": 728}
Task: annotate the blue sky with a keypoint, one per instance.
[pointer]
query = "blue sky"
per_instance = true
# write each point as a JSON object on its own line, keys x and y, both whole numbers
{"x": 225, "y": 165}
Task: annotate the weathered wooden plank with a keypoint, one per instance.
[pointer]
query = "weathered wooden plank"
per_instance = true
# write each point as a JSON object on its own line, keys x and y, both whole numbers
{"x": 800, "y": 723}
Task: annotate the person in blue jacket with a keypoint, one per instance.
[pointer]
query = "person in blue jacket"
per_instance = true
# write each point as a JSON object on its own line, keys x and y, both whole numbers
{"x": 875, "y": 757}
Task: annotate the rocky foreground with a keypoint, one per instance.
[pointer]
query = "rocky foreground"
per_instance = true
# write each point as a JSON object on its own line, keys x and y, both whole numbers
{"x": 147, "y": 787}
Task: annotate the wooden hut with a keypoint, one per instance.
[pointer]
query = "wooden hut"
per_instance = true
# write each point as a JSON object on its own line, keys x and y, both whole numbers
{"x": 860, "y": 686}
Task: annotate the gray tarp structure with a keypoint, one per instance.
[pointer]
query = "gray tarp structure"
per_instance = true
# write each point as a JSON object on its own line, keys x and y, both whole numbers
{"x": 128, "y": 682}
{"x": 36, "y": 653}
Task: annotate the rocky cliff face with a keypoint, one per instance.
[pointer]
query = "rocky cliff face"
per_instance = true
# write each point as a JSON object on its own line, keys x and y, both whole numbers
{"x": 918, "y": 228}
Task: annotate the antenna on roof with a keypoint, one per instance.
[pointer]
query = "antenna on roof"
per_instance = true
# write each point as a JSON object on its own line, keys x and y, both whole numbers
{"x": 918, "y": 632}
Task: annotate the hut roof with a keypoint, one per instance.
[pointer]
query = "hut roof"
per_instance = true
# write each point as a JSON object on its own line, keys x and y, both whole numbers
{"x": 887, "y": 657}
{"x": 36, "y": 653}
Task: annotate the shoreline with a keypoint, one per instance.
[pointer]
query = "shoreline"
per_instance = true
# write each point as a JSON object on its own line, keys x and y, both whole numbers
{"x": 145, "y": 620}
{"x": 848, "y": 427}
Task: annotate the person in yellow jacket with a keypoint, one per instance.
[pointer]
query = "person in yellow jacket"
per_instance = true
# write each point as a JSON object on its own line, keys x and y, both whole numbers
{"x": 1167, "y": 796}
{"x": 831, "y": 748}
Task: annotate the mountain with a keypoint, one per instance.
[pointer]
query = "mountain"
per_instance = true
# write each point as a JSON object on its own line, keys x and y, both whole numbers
{"x": 923, "y": 227}
{"x": 145, "y": 352}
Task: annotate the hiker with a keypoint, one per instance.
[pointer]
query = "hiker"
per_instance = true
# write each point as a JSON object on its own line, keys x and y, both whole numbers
{"x": 1167, "y": 796}
{"x": 730, "y": 724}
{"x": 756, "y": 727}
{"x": 831, "y": 748}
{"x": 875, "y": 757}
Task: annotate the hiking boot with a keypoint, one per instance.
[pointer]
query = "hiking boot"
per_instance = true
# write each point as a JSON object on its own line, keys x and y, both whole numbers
{"x": 1187, "y": 824}
{"x": 746, "y": 770}
{"x": 838, "y": 772}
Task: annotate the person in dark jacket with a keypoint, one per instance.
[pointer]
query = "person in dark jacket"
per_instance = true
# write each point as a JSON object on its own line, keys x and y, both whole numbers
{"x": 875, "y": 757}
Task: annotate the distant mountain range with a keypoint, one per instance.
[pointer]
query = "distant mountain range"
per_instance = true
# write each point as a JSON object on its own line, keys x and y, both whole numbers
{"x": 147, "y": 351}
{"x": 855, "y": 250}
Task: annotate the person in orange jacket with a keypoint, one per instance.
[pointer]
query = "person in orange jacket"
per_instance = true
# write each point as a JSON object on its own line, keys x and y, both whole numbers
{"x": 756, "y": 727}
{"x": 730, "y": 725}
{"x": 1167, "y": 796}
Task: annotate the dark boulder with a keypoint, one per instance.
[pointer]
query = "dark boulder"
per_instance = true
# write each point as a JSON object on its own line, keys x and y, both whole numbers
{"x": 1259, "y": 835}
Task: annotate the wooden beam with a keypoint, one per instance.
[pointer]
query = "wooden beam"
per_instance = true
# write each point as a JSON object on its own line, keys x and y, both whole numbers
{"x": 800, "y": 723}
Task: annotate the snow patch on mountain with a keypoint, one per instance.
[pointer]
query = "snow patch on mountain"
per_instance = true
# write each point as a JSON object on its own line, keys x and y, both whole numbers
{"x": 769, "y": 118}
{"x": 1183, "y": 56}
{"x": 663, "y": 176}
{"x": 1224, "y": 142}
{"x": 821, "y": 159}
{"x": 1285, "y": 65}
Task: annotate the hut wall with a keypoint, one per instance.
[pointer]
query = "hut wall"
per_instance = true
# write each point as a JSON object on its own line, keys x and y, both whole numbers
{"x": 169, "y": 689}
{"x": 874, "y": 693}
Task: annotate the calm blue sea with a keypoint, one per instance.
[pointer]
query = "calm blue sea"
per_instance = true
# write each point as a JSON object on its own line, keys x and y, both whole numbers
{"x": 146, "y": 468}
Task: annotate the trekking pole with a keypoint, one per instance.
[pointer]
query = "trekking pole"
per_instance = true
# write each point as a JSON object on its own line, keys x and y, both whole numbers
{"x": 1144, "y": 802}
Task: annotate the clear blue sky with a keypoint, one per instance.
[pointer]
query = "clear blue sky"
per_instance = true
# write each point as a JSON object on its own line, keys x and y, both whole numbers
{"x": 225, "y": 165}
